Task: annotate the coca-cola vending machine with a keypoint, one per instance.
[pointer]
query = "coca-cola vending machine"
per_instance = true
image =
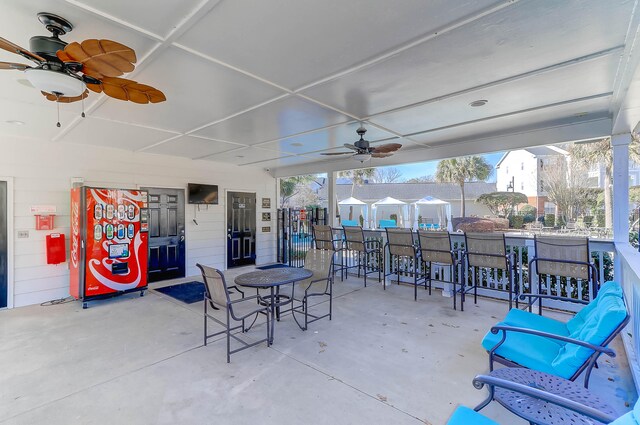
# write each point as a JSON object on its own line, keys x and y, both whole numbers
{"x": 109, "y": 242}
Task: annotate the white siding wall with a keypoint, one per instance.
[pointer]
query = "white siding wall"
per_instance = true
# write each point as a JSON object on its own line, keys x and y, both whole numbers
{"x": 42, "y": 175}
{"x": 525, "y": 180}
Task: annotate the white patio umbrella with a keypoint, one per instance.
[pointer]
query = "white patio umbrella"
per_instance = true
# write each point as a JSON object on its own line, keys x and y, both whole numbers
{"x": 436, "y": 207}
{"x": 384, "y": 208}
{"x": 354, "y": 208}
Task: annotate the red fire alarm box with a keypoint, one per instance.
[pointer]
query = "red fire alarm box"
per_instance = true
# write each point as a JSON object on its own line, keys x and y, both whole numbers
{"x": 44, "y": 222}
{"x": 56, "y": 252}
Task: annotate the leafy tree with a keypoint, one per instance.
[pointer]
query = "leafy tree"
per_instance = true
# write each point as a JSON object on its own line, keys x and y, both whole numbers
{"x": 462, "y": 170}
{"x": 565, "y": 182}
{"x": 502, "y": 204}
{"x": 290, "y": 186}
{"x": 357, "y": 176}
{"x": 600, "y": 153}
{"x": 422, "y": 179}
{"x": 634, "y": 194}
{"x": 387, "y": 175}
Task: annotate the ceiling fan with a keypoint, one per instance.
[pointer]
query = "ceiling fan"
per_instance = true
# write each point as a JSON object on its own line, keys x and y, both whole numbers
{"x": 364, "y": 152}
{"x": 66, "y": 72}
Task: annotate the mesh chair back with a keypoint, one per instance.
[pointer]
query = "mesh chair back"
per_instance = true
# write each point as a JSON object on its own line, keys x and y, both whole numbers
{"x": 215, "y": 285}
{"x": 354, "y": 236}
{"x": 401, "y": 242}
{"x": 320, "y": 262}
{"x": 323, "y": 236}
{"x": 436, "y": 247}
{"x": 563, "y": 249}
{"x": 486, "y": 250}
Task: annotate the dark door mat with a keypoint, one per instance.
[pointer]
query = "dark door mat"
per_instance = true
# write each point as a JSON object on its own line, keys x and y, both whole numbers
{"x": 272, "y": 266}
{"x": 189, "y": 292}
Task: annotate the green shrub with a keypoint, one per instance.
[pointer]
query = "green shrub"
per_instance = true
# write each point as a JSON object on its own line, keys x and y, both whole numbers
{"x": 587, "y": 220}
{"x": 516, "y": 221}
{"x": 600, "y": 220}
{"x": 528, "y": 213}
{"x": 550, "y": 220}
{"x": 560, "y": 222}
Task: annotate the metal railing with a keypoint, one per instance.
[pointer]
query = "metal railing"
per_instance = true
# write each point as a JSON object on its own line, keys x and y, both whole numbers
{"x": 522, "y": 247}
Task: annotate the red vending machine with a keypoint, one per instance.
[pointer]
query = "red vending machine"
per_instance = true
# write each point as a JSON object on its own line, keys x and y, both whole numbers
{"x": 109, "y": 242}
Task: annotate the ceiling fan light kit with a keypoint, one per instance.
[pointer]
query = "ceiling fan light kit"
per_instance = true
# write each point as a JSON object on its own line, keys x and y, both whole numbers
{"x": 54, "y": 82}
{"x": 362, "y": 157}
{"x": 64, "y": 71}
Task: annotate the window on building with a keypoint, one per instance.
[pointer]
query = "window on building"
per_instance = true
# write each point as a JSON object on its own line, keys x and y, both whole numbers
{"x": 507, "y": 170}
{"x": 541, "y": 185}
{"x": 521, "y": 185}
{"x": 542, "y": 164}
{"x": 522, "y": 165}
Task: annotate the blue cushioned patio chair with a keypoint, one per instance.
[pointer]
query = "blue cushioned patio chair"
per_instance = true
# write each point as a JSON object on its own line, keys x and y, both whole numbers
{"x": 383, "y": 224}
{"x": 349, "y": 223}
{"x": 562, "y": 349}
{"x": 466, "y": 416}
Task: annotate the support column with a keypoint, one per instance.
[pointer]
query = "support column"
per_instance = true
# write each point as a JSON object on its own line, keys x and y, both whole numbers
{"x": 620, "y": 144}
{"x": 331, "y": 198}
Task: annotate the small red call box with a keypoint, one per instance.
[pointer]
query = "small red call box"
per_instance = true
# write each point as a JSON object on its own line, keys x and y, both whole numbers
{"x": 44, "y": 222}
{"x": 56, "y": 251}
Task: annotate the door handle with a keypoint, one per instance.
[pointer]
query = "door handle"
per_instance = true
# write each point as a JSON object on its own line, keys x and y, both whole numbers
{"x": 229, "y": 236}
{"x": 182, "y": 238}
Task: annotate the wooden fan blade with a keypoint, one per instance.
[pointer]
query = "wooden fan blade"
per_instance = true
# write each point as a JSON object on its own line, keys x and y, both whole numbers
{"x": 350, "y": 146}
{"x": 381, "y": 155}
{"x": 338, "y": 153}
{"x": 389, "y": 147}
{"x": 12, "y": 65}
{"x": 123, "y": 89}
{"x": 64, "y": 99}
{"x": 100, "y": 57}
{"x": 14, "y": 48}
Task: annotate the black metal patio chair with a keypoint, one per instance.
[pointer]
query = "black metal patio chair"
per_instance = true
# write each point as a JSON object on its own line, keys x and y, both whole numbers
{"x": 436, "y": 249}
{"x": 218, "y": 297}
{"x": 368, "y": 253}
{"x": 484, "y": 252}
{"x": 562, "y": 256}
{"x": 325, "y": 239}
{"x": 404, "y": 257}
{"x": 318, "y": 286}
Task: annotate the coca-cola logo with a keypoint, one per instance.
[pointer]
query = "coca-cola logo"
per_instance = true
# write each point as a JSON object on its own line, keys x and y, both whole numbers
{"x": 75, "y": 232}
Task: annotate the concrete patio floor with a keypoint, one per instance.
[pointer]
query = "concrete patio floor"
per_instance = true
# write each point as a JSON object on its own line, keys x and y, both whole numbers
{"x": 383, "y": 359}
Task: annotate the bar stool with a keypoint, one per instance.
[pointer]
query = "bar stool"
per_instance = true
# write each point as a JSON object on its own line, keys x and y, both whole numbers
{"x": 488, "y": 251}
{"x": 436, "y": 248}
{"x": 403, "y": 249}
{"x": 368, "y": 252}
{"x": 324, "y": 239}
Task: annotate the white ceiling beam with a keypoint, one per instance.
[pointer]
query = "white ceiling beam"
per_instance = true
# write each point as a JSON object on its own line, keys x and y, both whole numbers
{"x": 585, "y": 130}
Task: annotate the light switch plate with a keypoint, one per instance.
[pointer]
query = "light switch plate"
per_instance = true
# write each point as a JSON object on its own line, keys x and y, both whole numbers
{"x": 23, "y": 234}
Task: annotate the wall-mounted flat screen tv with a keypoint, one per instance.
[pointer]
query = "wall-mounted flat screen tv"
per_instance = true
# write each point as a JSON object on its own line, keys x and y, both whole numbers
{"x": 203, "y": 193}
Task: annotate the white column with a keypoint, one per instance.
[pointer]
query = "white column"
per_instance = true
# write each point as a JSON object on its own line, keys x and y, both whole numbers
{"x": 331, "y": 198}
{"x": 620, "y": 145}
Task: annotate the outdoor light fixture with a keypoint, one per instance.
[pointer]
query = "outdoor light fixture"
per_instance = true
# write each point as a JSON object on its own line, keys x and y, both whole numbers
{"x": 362, "y": 157}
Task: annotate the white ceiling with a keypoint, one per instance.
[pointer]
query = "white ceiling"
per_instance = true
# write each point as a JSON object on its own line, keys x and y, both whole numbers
{"x": 274, "y": 84}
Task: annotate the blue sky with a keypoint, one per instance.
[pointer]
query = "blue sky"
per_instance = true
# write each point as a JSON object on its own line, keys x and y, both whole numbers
{"x": 420, "y": 169}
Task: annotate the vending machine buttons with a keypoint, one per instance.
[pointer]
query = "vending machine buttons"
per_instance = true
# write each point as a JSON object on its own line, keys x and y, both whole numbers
{"x": 121, "y": 213}
{"x": 120, "y": 231}
{"x": 97, "y": 232}
{"x": 130, "y": 231}
{"x": 109, "y": 231}
{"x": 97, "y": 212}
{"x": 110, "y": 211}
{"x": 131, "y": 212}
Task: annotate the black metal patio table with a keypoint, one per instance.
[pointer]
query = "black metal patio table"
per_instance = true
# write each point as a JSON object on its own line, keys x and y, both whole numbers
{"x": 537, "y": 411}
{"x": 273, "y": 279}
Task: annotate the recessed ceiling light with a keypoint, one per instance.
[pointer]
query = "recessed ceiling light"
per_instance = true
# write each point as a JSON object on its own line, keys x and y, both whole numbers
{"x": 239, "y": 156}
{"x": 296, "y": 144}
{"x": 480, "y": 102}
{"x": 15, "y": 122}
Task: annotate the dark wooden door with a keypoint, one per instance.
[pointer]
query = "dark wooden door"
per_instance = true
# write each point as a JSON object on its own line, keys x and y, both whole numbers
{"x": 3, "y": 246}
{"x": 241, "y": 229}
{"x": 166, "y": 234}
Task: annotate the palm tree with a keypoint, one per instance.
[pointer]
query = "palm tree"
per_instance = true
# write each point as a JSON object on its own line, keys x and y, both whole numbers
{"x": 595, "y": 153}
{"x": 462, "y": 170}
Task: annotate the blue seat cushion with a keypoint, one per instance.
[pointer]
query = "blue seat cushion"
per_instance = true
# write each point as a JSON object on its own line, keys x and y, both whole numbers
{"x": 609, "y": 313}
{"x": 465, "y": 416}
{"x": 606, "y": 289}
{"x": 530, "y": 351}
{"x": 524, "y": 319}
